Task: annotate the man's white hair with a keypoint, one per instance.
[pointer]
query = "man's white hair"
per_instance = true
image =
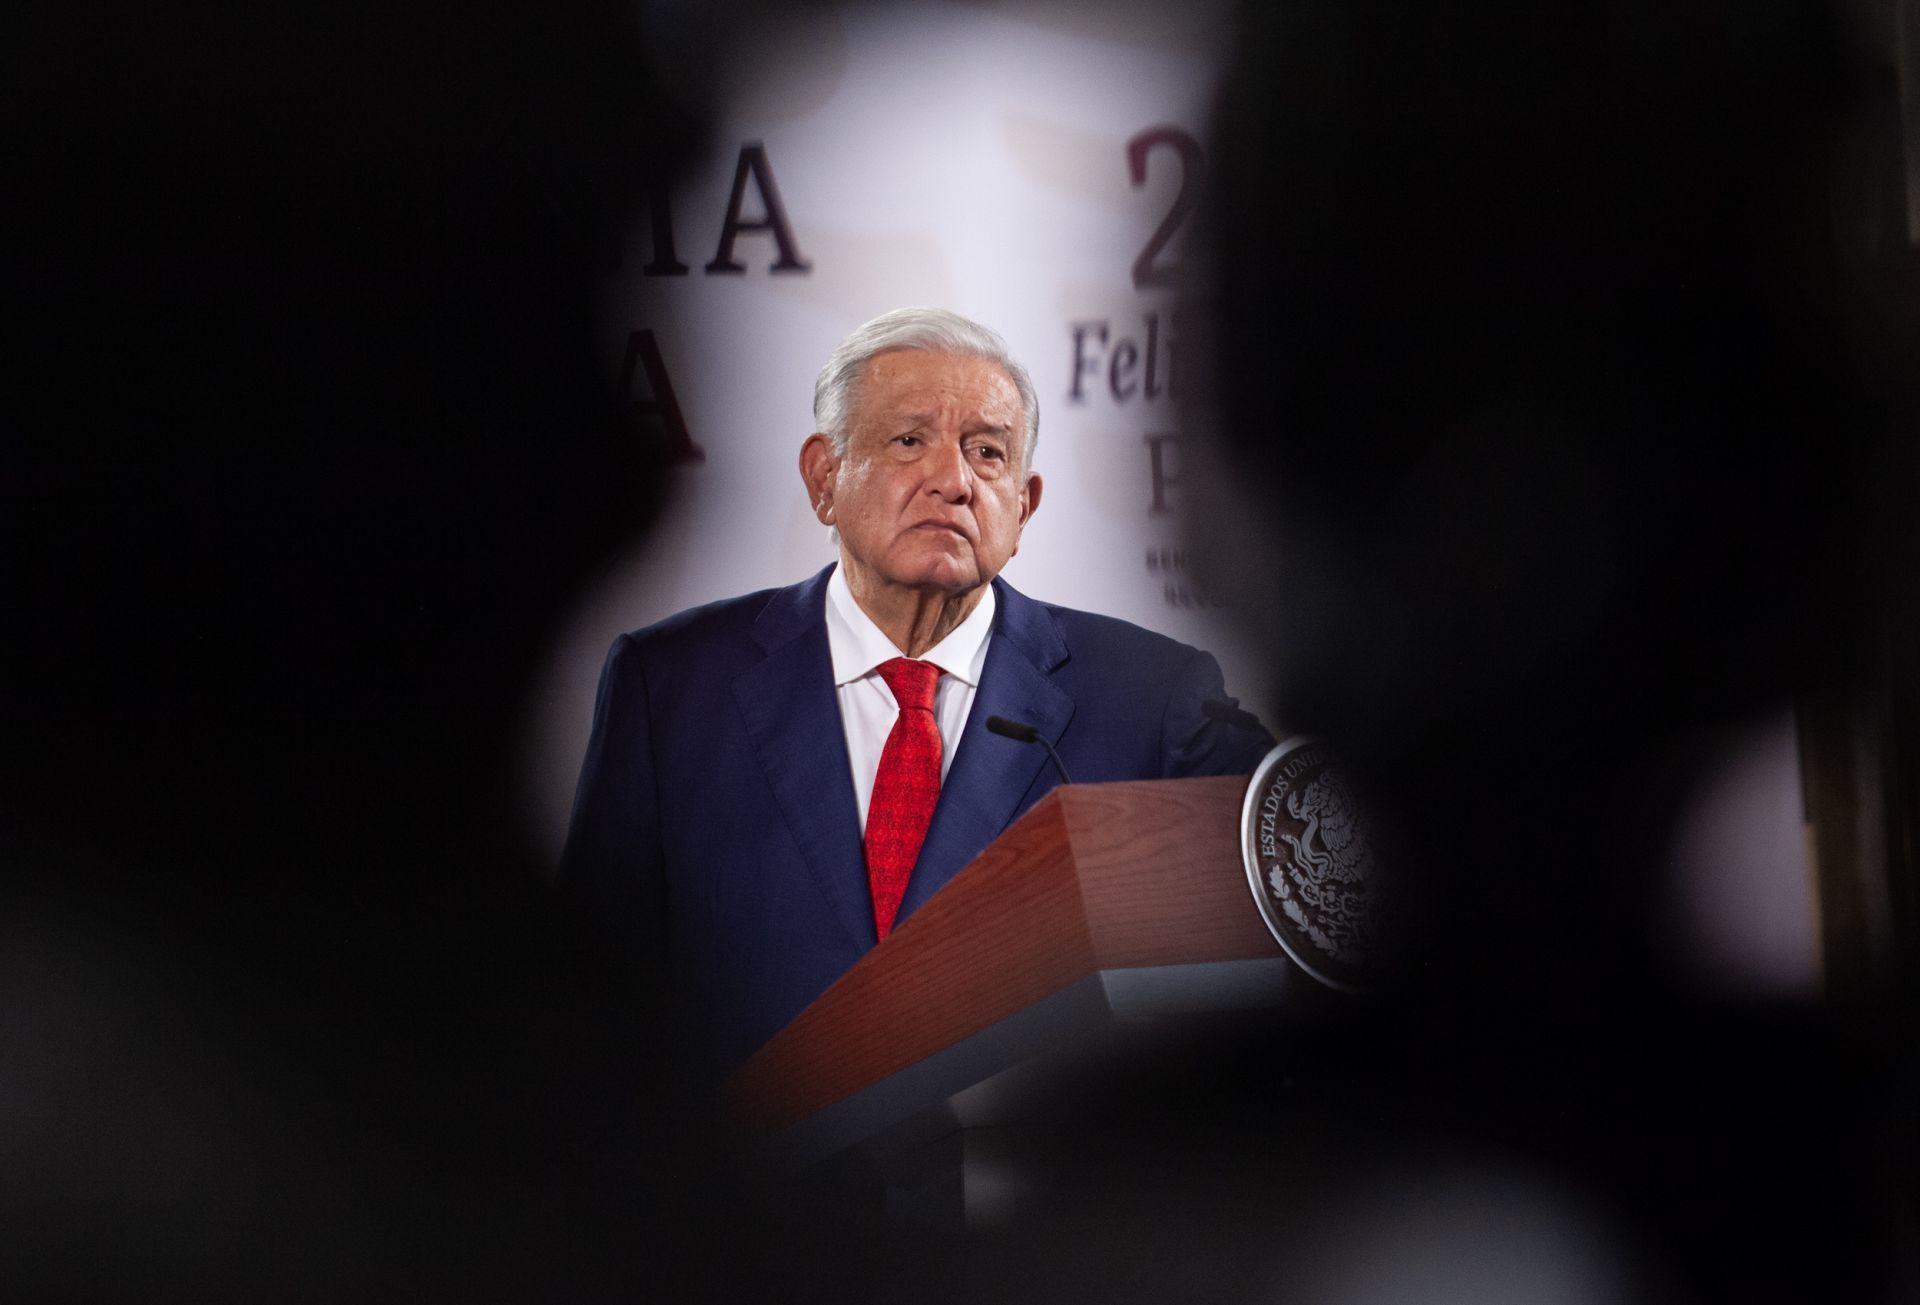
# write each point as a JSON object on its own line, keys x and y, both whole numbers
{"x": 934, "y": 330}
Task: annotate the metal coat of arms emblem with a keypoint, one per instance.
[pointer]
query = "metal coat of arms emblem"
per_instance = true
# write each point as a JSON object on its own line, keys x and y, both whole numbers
{"x": 1310, "y": 865}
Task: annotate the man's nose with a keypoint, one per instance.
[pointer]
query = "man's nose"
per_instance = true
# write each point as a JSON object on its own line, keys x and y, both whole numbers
{"x": 949, "y": 475}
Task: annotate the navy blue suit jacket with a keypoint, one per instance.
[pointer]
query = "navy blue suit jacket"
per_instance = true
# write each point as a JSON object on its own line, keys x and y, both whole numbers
{"x": 715, "y": 816}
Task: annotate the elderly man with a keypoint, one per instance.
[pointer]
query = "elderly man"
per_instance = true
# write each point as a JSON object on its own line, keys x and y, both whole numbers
{"x": 775, "y": 781}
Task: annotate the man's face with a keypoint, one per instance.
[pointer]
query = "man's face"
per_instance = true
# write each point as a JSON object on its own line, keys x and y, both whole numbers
{"x": 932, "y": 492}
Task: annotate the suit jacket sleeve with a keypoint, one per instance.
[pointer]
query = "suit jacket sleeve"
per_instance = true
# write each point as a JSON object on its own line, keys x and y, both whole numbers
{"x": 1196, "y": 744}
{"x": 611, "y": 871}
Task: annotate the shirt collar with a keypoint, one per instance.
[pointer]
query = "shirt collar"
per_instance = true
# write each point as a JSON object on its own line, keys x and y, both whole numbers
{"x": 858, "y": 645}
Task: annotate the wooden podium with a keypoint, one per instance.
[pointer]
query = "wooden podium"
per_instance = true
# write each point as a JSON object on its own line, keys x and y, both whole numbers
{"x": 1104, "y": 903}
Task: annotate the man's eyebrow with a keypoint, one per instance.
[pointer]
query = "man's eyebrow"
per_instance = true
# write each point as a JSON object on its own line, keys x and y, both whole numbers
{"x": 911, "y": 421}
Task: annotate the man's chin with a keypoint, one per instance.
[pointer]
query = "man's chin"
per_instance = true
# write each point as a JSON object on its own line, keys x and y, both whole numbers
{"x": 945, "y": 578}
{"x": 954, "y": 586}
{"x": 946, "y": 572}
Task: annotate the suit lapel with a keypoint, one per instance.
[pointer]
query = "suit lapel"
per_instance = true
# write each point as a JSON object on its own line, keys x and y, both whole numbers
{"x": 990, "y": 774}
{"x": 794, "y": 720}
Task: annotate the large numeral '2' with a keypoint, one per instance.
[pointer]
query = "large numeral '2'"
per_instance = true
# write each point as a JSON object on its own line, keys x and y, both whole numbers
{"x": 1193, "y": 168}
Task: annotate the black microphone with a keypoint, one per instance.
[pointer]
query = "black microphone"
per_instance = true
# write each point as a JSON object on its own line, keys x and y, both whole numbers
{"x": 1022, "y": 732}
{"x": 1228, "y": 714}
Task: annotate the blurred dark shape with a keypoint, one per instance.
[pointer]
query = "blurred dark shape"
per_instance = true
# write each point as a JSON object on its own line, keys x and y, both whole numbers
{"x": 1539, "y": 336}
{"x": 1542, "y": 351}
{"x": 311, "y": 436}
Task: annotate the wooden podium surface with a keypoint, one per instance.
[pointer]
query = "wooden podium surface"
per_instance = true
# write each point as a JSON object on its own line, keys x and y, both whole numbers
{"x": 1096, "y": 878}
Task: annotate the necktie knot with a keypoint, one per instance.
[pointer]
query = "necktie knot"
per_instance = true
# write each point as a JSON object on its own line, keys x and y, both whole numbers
{"x": 912, "y": 682}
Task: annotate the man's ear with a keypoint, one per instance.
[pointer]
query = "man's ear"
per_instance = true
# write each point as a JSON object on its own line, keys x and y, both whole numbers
{"x": 1030, "y": 496}
{"x": 1031, "y": 491}
{"x": 818, "y": 466}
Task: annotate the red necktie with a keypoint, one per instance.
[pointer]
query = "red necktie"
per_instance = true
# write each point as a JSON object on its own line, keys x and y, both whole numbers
{"x": 906, "y": 787}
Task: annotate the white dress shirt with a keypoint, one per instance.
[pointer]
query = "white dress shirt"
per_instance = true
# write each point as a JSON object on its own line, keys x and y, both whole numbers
{"x": 867, "y": 708}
